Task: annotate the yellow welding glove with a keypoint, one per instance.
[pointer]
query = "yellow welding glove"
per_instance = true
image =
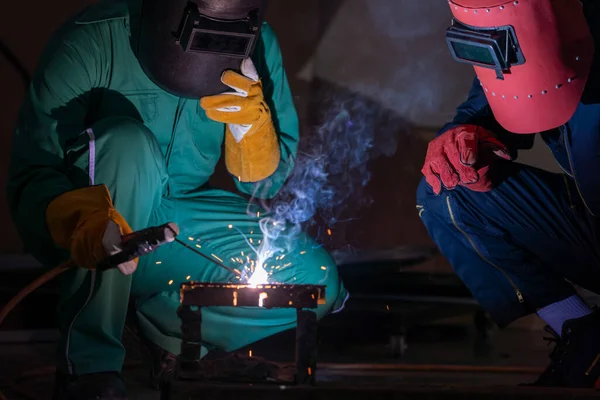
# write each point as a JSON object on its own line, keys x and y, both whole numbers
{"x": 252, "y": 150}
{"x": 85, "y": 222}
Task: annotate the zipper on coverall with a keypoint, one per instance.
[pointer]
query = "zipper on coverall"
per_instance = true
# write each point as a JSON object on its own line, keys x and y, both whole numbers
{"x": 466, "y": 235}
{"x": 572, "y": 174}
{"x": 178, "y": 111}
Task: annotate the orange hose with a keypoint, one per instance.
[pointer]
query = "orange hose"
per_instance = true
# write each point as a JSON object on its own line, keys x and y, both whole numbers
{"x": 30, "y": 288}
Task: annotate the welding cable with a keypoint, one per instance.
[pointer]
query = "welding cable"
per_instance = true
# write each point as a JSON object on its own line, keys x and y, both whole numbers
{"x": 48, "y": 276}
{"x": 26, "y": 291}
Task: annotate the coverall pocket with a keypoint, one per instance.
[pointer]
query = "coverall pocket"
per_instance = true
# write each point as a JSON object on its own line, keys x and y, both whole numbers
{"x": 146, "y": 104}
{"x": 206, "y": 139}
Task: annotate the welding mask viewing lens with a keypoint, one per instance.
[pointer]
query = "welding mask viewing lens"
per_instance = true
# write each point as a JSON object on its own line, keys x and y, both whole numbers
{"x": 184, "y": 46}
{"x": 496, "y": 48}
{"x": 203, "y": 34}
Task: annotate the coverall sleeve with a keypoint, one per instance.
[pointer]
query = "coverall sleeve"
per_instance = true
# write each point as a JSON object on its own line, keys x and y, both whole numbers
{"x": 53, "y": 112}
{"x": 580, "y": 139}
{"x": 283, "y": 111}
{"x": 475, "y": 110}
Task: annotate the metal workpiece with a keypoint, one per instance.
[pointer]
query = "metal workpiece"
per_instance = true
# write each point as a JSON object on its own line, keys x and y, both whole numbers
{"x": 244, "y": 295}
{"x": 195, "y": 295}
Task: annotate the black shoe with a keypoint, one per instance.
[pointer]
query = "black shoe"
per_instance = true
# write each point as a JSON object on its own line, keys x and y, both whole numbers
{"x": 575, "y": 361}
{"x": 99, "y": 386}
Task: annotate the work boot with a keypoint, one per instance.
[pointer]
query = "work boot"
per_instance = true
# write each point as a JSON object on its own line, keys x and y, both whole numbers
{"x": 575, "y": 361}
{"x": 98, "y": 386}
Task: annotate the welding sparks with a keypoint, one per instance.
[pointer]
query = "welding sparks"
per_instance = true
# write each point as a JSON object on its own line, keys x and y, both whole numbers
{"x": 258, "y": 214}
{"x": 216, "y": 257}
{"x": 235, "y": 299}
{"x": 159, "y": 262}
{"x": 171, "y": 282}
{"x": 249, "y": 353}
{"x": 198, "y": 246}
{"x": 303, "y": 252}
{"x": 323, "y": 267}
{"x": 190, "y": 238}
{"x": 230, "y": 226}
{"x": 188, "y": 277}
{"x": 329, "y": 232}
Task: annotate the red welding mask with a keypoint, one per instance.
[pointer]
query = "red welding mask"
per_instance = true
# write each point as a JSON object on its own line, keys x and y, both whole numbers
{"x": 532, "y": 57}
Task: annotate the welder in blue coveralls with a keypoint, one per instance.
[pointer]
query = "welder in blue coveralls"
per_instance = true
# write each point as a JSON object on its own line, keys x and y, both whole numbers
{"x": 519, "y": 237}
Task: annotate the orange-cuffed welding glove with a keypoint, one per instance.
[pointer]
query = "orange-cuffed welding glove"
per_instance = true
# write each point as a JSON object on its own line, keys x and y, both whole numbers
{"x": 252, "y": 150}
{"x": 85, "y": 222}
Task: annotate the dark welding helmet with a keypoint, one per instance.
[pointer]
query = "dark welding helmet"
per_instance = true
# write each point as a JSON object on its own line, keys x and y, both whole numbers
{"x": 185, "y": 45}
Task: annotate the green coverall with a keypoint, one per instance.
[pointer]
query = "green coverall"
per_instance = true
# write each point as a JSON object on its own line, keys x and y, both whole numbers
{"x": 92, "y": 116}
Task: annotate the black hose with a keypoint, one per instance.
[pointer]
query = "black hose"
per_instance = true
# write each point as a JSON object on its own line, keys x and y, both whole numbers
{"x": 16, "y": 63}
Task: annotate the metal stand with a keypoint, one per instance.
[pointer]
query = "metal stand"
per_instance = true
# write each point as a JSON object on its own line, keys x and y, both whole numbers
{"x": 196, "y": 295}
{"x": 306, "y": 347}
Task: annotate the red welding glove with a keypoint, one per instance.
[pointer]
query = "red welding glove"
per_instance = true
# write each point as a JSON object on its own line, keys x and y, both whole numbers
{"x": 462, "y": 156}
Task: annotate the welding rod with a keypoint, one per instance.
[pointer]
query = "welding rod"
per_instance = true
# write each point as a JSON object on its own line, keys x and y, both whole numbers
{"x": 233, "y": 271}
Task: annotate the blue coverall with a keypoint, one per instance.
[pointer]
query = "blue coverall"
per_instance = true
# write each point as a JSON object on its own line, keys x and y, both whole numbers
{"x": 521, "y": 246}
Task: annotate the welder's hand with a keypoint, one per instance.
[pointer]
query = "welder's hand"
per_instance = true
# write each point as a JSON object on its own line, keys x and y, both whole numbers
{"x": 252, "y": 150}
{"x": 111, "y": 241}
{"x": 462, "y": 156}
{"x": 85, "y": 222}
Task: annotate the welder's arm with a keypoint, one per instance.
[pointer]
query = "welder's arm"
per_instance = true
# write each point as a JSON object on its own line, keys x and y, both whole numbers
{"x": 53, "y": 112}
{"x": 475, "y": 110}
{"x": 261, "y": 124}
{"x": 580, "y": 153}
{"x": 278, "y": 96}
{"x": 55, "y": 219}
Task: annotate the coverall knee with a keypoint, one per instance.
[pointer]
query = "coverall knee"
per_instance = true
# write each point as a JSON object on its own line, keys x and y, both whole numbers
{"x": 518, "y": 246}
{"x": 126, "y": 157}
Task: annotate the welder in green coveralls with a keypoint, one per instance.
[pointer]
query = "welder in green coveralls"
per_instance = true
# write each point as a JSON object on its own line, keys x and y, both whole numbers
{"x": 121, "y": 129}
